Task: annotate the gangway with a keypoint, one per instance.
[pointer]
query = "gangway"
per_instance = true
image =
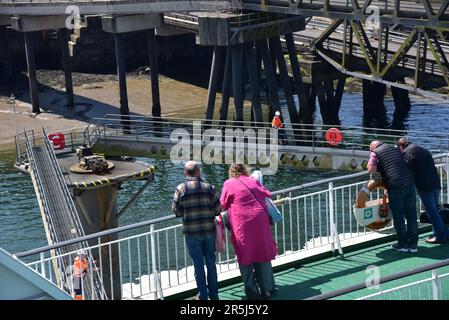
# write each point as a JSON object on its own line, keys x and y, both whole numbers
{"x": 59, "y": 214}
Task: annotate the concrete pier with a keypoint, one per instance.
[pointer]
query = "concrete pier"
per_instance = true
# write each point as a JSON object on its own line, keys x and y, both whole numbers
{"x": 214, "y": 81}
{"x": 5, "y": 53}
{"x": 119, "y": 25}
{"x": 95, "y": 198}
{"x": 121, "y": 73}
{"x": 154, "y": 72}
{"x": 240, "y": 34}
{"x": 63, "y": 37}
{"x": 402, "y": 108}
{"x": 374, "y": 111}
{"x": 29, "y": 25}
{"x": 31, "y": 64}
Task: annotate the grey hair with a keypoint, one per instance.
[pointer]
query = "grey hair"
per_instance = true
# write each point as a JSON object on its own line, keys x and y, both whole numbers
{"x": 191, "y": 167}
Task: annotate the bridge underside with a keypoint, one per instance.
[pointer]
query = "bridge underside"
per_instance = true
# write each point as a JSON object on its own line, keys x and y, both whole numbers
{"x": 48, "y": 8}
{"x": 416, "y": 61}
{"x": 424, "y": 13}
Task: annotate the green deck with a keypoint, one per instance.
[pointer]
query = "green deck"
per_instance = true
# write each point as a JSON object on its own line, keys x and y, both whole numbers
{"x": 334, "y": 273}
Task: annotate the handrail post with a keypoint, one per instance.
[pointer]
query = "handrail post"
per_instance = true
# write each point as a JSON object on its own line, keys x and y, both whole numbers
{"x": 447, "y": 177}
{"x": 42, "y": 256}
{"x": 332, "y": 226}
{"x": 153, "y": 261}
{"x": 435, "y": 285}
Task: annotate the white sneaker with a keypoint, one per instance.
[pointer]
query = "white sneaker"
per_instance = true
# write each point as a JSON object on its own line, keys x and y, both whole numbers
{"x": 399, "y": 249}
{"x": 413, "y": 249}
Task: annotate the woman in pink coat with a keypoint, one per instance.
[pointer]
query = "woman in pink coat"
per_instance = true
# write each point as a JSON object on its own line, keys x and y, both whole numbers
{"x": 253, "y": 242}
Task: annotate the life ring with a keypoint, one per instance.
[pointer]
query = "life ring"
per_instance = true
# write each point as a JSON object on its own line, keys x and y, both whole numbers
{"x": 376, "y": 215}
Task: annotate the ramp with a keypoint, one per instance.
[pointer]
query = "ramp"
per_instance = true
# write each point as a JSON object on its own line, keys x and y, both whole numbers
{"x": 59, "y": 214}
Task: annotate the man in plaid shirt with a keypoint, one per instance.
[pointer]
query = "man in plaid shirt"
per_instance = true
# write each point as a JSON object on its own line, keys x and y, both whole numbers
{"x": 197, "y": 202}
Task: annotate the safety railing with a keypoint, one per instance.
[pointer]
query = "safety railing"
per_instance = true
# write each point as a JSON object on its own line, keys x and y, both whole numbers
{"x": 353, "y": 137}
{"x": 149, "y": 260}
{"x": 70, "y": 226}
{"x": 74, "y": 137}
{"x": 433, "y": 285}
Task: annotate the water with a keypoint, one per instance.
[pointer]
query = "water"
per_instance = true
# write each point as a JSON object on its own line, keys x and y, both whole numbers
{"x": 21, "y": 225}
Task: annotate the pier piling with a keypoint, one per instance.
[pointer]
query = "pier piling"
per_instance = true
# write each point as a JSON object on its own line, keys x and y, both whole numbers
{"x": 31, "y": 63}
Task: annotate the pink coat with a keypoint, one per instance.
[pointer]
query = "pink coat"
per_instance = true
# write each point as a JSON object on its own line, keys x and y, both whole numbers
{"x": 251, "y": 232}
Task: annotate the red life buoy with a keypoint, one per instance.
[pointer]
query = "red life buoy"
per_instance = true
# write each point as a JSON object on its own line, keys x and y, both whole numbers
{"x": 334, "y": 136}
{"x": 57, "y": 139}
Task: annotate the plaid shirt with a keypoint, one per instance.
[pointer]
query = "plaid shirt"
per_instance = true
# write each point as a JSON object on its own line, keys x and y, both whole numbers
{"x": 197, "y": 202}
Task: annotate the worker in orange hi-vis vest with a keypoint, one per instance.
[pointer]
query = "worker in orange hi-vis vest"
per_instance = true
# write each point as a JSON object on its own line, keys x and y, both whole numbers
{"x": 277, "y": 124}
{"x": 80, "y": 264}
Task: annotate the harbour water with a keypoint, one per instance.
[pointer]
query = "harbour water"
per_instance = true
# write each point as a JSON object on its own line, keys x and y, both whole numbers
{"x": 21, "y": 225}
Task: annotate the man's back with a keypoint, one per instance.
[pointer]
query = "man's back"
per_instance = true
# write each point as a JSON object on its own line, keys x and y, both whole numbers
{"x": 197, "y": 203}
{"x": 421, "y": 162}
{"x": 392, "y": 167}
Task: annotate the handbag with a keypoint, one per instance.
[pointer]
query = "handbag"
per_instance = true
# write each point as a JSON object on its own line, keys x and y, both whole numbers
{"x": 219, "y": 235}
{"x": 273, "y": 213}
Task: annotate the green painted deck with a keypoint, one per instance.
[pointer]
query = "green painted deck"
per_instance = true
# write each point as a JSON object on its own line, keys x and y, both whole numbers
{"x": 334, "y": 273}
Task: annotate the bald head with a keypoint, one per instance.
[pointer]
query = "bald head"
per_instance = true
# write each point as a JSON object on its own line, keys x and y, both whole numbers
{"x": 192, "y": 169}
{"x": 373, "y": 145}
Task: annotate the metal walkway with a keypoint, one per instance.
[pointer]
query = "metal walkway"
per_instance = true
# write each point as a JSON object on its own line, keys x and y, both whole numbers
{"x": 59, "y": 214}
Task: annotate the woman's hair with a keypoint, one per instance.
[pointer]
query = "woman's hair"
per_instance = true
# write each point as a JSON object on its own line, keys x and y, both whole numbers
{"x": 237, "y": 169}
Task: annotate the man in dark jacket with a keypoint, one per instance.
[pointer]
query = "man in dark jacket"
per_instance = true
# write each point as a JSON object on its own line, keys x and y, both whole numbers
{"x": 427, "y": 180}
{"x": 388, "y": 160}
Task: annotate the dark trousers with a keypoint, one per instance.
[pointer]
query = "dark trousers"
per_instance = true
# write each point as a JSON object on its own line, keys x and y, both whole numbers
{"x": 202, "y": 250}
{"x": 430, "y": 201}
{"x": 403, "y": 205}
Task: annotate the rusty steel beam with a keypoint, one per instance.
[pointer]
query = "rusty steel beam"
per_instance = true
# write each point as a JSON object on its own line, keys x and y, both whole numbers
{"x": 423, "y": 13}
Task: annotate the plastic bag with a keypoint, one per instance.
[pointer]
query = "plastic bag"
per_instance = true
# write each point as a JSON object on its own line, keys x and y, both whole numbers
{"x": 219, "y": 235}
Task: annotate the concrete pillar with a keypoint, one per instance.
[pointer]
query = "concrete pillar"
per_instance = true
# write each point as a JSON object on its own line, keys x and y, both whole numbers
{"x": 326, "y": 98}
{"x": 276, "y": 50}
{"x": 402, "y": 108}
{"x": 270, "y": 78}
{"x": 226, "y": 87}
{"x": 256, "y": 107}
{"x": 29, "y": 50}
{"x": 374, "y": 111}
{"x": 339, "y": 90}
{"x": 154, "y": 71}
{"x": 304, "y": 109}
{"x": 214, "y": 81}
{"x": 66, "y": 65}
{"x": 236, "y": 52}
{"x": 97, "y": 209}
{"x": 121, "y": 73}
{"x": 5, "y": 52}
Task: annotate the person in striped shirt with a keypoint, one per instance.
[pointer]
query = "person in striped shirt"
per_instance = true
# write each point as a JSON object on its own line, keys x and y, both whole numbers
{"x": 197, "y": 202}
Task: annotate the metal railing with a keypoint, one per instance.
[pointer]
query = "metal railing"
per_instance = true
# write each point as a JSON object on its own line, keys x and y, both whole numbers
{"x": 153, "y": 260}
{"x": 61, "y": 221}
{"x": 433, "y": 287}
{"x": 311, "y": 135}
{"x": 74, "y": 137}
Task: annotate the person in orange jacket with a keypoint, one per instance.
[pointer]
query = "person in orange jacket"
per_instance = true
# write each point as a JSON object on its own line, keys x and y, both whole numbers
{"x": 80, "y": 264}
{"x": 277, "y": 124}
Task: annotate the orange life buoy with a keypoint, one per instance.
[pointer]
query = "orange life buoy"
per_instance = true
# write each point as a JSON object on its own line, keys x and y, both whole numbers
{"x": 362, "y": 198}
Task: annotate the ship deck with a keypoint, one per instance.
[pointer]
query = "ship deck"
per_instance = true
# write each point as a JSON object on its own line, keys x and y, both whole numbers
{"x": 329, "y": 274}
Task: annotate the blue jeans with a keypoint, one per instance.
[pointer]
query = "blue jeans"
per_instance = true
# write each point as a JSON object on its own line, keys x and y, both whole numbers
{"x": 403, "y": 205}
{"x": 430, "y": 202}
{"x": 202, "y": 249}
